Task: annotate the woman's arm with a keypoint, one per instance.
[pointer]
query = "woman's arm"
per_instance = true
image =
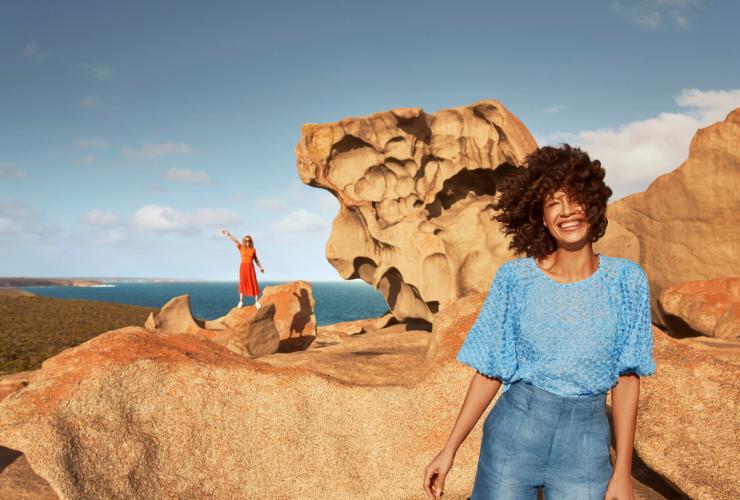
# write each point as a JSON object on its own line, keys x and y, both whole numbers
{"x": 258, "y": 261}
{"x": 625, "y": 396}
{"x": 230, "y": 236}
{"x": 481, "y": 391}
{"x": 635, "y": 361}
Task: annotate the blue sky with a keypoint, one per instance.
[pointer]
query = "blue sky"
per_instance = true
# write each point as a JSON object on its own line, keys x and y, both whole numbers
{"x": 132, "y": 131}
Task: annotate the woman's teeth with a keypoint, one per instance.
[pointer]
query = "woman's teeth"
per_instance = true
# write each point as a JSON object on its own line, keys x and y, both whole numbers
{"x": 570, "y": 226}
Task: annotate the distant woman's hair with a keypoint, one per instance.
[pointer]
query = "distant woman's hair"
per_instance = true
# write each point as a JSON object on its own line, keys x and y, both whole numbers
{"x": 545, "y": 171}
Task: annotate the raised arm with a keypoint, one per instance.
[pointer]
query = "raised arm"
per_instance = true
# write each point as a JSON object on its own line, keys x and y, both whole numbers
{"x": 230, "y": 236}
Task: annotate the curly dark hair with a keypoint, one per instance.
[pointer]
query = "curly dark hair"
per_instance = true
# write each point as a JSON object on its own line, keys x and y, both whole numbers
{"x": 547, "y": 170}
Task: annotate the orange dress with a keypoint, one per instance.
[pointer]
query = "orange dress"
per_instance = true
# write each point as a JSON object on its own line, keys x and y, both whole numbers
{"x": 247, "y": 277}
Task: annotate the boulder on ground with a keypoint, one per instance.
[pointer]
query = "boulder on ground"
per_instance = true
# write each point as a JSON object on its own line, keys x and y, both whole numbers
{"x": 709, "y": 307}
{"x": 688, "y": 415}
{"x": 359, "y": 325}
{"x": 174, "y": 317}
{"x": 451, "y": 327}
{"x": 686, "y": 221}
{"x": 249, "y": 331}
{"x": 179, "y": 416}
{"x": 294, "y": 319}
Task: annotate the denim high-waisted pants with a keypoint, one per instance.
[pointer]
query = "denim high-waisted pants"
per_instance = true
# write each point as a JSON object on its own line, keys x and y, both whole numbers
{"x": 534, "y": 438}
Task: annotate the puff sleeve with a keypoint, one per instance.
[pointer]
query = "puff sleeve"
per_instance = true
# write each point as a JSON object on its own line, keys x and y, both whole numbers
{"x": 490, "y": 345}
{"x": 636, "y": 342}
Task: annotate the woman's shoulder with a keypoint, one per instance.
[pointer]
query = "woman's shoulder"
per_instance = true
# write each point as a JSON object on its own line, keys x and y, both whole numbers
{"x": 626, "y": 268}
{"x": 514, "y": 270}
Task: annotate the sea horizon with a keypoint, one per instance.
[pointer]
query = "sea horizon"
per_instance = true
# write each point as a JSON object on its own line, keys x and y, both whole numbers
{"x": 336, "y": 301}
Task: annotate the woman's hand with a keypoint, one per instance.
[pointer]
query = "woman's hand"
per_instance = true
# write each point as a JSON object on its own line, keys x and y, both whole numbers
{"x": 620, "y": 487}
{"x": 262, "y": 270}
{"x": 225, "y": 232}
{"x": 436, "y": 472}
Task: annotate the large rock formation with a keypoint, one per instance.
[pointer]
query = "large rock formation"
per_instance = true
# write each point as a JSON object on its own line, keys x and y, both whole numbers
{"x": 414, "y": 191}
{"x": 285, "y": 322}
{"x": 137, "y": 414}
{"x": 174, "y": 317}
{"x": 247, "y": 331}
{"x": 688, "y": 425}
{"x": 710, "y": 307}
{"x": 176, "y": 415}
{"x": 686, "y": 221}
{"x": 294, "y": 317}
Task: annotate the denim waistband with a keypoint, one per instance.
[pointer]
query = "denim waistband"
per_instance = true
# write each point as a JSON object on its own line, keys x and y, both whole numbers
{"x": 525, "y": 395}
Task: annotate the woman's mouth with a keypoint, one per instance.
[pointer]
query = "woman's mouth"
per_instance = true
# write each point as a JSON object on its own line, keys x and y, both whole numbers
{"x": 572, "y": 225}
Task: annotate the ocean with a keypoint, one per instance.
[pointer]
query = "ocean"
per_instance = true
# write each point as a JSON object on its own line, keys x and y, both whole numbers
{"x": 335, "y": 301}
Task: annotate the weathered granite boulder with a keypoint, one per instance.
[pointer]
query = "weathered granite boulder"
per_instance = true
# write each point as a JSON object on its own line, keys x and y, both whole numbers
{"x": 136, "y": 414}
{"x": 285, "y": 322}
{"x": 14, "y": 382}
{"x": 360, "y": 325}
{"x": 174, "y": 317}
{"x": 148, "y": 403}
{"x": 249, "y": 331}
{"x": 710, "y": 307}
{"x": 451, "y": 326}
{"x": 688, "y": 425}
{"x": 415, "y": 191}
{"x": 294, "y": 317}
{"x": 686, "y": 221}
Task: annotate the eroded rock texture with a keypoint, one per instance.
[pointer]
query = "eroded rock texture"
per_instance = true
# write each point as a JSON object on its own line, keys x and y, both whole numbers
{"x": 285, "y": 322}
{"x": 687, "y": 222}
{"x": 710, "y": 307}
{"x": 415, "y": 191}
{"x": 135, "y": 414}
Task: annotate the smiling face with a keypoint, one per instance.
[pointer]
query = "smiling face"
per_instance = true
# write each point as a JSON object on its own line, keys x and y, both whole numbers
{"x": 565, "y": 219}
{"x": 247, "y": 241}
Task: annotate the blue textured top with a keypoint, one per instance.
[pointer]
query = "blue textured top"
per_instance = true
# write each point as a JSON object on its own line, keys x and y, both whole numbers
{"x": 571, "y": 339}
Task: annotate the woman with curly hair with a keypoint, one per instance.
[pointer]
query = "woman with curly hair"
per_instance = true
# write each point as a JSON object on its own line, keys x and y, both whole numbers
{"x": 559, "y": 328}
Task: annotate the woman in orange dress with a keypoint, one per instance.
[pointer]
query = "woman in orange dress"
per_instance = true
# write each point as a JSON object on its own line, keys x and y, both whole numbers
{"x": 247, "y": 277}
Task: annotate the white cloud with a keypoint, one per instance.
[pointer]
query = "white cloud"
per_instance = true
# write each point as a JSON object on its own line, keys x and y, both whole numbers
{"x": 328, "y": 202}
{"x": 89, "y": 101}
{"x": 554, "y": 109}
{"x": 17, "y": 217}
{"x": 101, "y": 218}
{"x": 710, "y": 105}
{"x": 32, "y": 51}
{"x": 113, "y": 236}
{"x": 187, "y": 175}
{"x": 167, "y": 219}
{"x": 301, "y": 221}
{"x": 150, "y": 151}
{"x": 650, "y": 14}
{"x": 108, "y": 236}
{"x": 91, "y": 142}
{"x": 8, "y": 171}
{"x": 96, "y": 71}
{"x": 271, "y": 204}
{"x": 86, "y": 160}
{"x": 634, "y": 154}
